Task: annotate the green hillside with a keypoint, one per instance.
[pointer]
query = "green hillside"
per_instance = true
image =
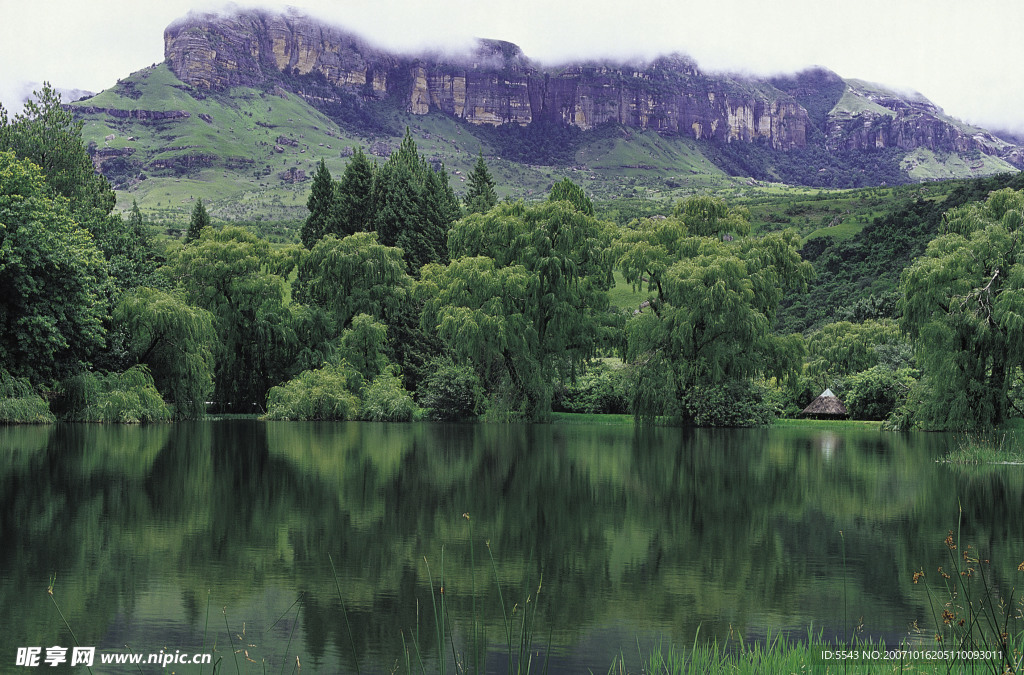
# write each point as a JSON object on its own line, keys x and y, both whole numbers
{"x": 249, "y": 153}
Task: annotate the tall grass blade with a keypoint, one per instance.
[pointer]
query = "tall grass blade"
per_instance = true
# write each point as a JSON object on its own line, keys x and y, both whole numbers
{"x": 344, "y": 612}
{"x": 231, "y": 645}
{"x": 49, "y": 591}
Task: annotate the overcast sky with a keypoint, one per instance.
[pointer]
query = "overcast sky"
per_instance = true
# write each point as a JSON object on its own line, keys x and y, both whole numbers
{"x": 967, "y": 57}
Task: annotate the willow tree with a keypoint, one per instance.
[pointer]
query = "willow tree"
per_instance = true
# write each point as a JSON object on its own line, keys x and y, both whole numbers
{"x": 354, "y": 275}
{"x": 567, "y": 191}
{"x": 843, "y": 348}
{"x": 242, "y": 282}
{"x": 713, "y": 297}
{"x": 544, "y": 270}
{"x": 480, "y": 312}
{"x": 176, "y": 341}
{"x": 964, "y": 310}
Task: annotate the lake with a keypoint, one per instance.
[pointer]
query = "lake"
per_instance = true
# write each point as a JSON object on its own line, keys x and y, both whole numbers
{"x": 219, "y": 537}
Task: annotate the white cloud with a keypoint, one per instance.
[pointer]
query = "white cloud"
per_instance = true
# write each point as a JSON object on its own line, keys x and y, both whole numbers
{"x": 963, "y": 57}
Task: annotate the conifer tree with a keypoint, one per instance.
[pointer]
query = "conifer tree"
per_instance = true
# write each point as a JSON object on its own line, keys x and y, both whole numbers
{"x": 200, "y": 219}
{"x": 414, "y": 206}
{"x": 353, "y": 198}
{"x": 320, "y": 205}
{"x": 49, "y": 135}
{"x": 481, "y": 196}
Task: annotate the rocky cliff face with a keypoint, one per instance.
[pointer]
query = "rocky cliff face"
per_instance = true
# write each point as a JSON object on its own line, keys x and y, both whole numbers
{"x": 494, "y": 85}
{"x": 217, "y": 52}
{"x": 870, "y": 117}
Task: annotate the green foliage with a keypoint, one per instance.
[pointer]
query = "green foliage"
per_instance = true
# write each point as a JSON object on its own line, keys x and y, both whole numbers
{"x": 241, "y": 281}
{"x": 386, "y": 400}
{"x": 522, "y": 297}
{"x": 600, "y": 390}
{"x": 712, "y": 305}
{"x": 839, "y": 349}
{"x": 706, "y": 216}
{"x": 813, "y": 165}
{"x": 737, "y": 403}
{"x": 451, "y": 392}
{"x": 48, "y": 134}
{"x": 546, "y": 142}
{"x": 414, "y": 206}
{"x": 327, "y": 393}
{"x": 126, "y": 398}
{"x": 479, "y": 312}
{"x": 53, "y": 278}
{"x": 964, "y": 310}
{"x": 354, "y": 275}
{"x": 353, "y": 198}
{"x": 321, "y": 205}
{"x": 858, "y": 278}
{"x": 566, "y": 190}
{"x": 363, "y": 346}
{"x": 200, "y": 219}
{"x": 20, "y": 403}
{"x": 132, "y": 256}
{"x": 175, "y": 341}
{"x": 480, "y": 194}
{"x": 876, "y": 393}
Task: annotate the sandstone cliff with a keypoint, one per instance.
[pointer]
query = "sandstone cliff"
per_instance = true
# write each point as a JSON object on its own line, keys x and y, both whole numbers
{"x": 869, "y": 117}
{"x": 493, "y": 85}
{"x": 496, "y": 84}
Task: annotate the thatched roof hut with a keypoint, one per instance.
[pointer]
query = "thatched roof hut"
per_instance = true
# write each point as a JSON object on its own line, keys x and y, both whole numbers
{"x": 827, "y": 406}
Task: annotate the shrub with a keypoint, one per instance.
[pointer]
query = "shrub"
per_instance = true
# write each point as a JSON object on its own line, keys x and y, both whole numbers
{"x": 126, "y": 398}
{"x": 324, "y": 393}
{"x": 20, "y": 404}
{"x": 875, "y": 393}
{"x": 601, "y": 390}
{"x": 451, "y": 392}
{"x": 386, "y": 400}
{"x": 732, "y": 404}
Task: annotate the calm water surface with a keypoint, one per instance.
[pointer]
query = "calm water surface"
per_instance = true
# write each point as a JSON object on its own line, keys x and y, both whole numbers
{"x": 161, "y": 537}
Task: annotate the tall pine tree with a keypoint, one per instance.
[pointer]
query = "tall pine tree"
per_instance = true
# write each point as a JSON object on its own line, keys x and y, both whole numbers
{"x": 353, "y": 198}
{"x": 320, "y": 205}
{"x": 414, "y": 206}
{"x": 200, "y": 219}
{"x": 481, "y": 196}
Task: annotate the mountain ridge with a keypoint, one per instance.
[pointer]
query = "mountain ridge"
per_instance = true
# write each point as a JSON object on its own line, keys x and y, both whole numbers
{"x": 497, "y": 84}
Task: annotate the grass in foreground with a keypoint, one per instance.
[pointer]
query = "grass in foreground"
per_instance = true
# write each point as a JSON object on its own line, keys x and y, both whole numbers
{"x": 816, "y": 655}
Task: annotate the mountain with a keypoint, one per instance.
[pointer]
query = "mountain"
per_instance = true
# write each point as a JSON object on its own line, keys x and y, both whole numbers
{"x": 496, "y": 84}
{"x": 245, "y": 105}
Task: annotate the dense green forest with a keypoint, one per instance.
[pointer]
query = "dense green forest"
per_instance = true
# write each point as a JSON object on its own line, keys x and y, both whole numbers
{"x": 404, "y": 302}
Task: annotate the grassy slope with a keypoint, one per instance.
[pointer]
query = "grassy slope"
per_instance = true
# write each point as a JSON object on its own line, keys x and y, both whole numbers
{"x": 243, "y": 182}
{"x": 925, "y": 165}
{"x": 854, "y": 102}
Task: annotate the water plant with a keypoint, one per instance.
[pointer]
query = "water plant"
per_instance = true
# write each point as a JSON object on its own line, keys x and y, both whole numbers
{"x": 993, "y": 447}
{"x": 20, "y": 403}
{"x": 128, "y": 398}
{"x": 972, "y": 615}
